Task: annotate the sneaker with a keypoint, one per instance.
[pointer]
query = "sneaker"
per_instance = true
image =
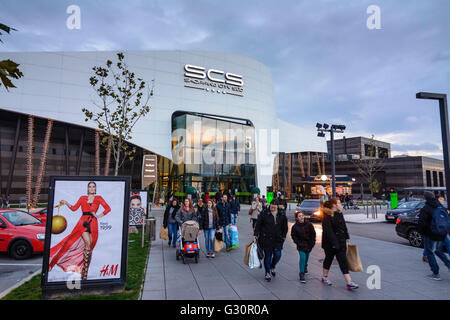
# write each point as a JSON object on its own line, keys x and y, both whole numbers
{"x": 424, "y": 259}
{"x": 268, "y": 277}
{"x": 208, "y": 255}
{"x": 170, "y": 240}
{"x": 326, "y": 281}
{"x": 272, "y": 271}
{"x": 302, "y": 278}
{"x": 306, "y": 269}
{"x": 434, "y": 276}
{"x": 351, "y": 285}
{"x": 212, "y": 255}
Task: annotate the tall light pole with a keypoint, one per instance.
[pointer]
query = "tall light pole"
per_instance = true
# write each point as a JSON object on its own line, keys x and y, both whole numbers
{"x": 443, "y": 110}
{"x": 335, "y": 128}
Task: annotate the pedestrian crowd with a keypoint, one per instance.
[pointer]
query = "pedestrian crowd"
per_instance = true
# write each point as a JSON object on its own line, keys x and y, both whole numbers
{"x": 217, "y": 220}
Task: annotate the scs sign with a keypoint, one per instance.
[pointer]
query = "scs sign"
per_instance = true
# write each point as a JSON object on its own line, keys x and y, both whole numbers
{"x": 213, "y": 75}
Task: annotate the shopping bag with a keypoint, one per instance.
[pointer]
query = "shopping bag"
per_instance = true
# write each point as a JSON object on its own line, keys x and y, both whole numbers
{"x": 353, "y": 259}
{"x": 164, "y": 233}
{"x": 234, "y": 235}
{"x": 247, "y": 253}
{"x": 253, "y": 261}
{"x": 218, "y": 245}
{"x": 219, "y": 236}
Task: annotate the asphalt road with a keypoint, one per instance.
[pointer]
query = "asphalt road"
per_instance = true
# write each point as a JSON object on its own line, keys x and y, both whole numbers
{"x": 13, "y": 271}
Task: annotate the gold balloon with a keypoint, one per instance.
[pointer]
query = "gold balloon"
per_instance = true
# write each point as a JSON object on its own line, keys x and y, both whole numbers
{"x": 59, "y": 224}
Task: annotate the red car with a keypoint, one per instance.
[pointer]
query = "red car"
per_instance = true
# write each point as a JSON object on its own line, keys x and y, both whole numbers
{"x": 21, "y": 234}
{"x": 40, "y": 214}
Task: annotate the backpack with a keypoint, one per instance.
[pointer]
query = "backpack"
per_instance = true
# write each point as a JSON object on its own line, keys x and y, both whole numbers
{"x": 440, "y": 222}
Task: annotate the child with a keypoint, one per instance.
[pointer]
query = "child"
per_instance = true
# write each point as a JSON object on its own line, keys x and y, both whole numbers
{"x": 304, "y": 236}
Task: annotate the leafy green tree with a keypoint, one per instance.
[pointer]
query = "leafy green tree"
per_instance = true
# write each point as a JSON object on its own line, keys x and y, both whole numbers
{"x": 122, "y": 103}
{"x": 8, "y": 69}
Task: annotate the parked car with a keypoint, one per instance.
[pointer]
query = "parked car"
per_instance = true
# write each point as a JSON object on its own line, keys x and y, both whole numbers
{"x": 311, "y": 210}
{"x": 21, "y": 234}
{"x": 404, "y": 209}
{"x": 410, "y": 199}
{"x": 40, "y": 214}
{"x": 406, "y": 227}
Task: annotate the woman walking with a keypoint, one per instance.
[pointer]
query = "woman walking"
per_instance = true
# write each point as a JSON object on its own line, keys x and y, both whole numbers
{"x": 334, "y": 240}
{"x": 304, "y": 236}
{"x": 255, "y": 210}
{"x": 209, "y": 223}
{"x": 186, "y": 212}
{"x": 169, "y": 221}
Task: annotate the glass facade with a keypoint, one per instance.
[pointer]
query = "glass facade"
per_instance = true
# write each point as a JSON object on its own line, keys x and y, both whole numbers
{"x": 212, "y": 153}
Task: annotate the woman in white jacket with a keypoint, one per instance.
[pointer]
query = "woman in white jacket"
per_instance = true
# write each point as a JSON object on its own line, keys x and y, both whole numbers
{"x": 255, "y": 210}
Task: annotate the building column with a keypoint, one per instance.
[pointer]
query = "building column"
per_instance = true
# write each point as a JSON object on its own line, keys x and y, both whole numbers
{"x": 80, "y": 153}
{"x": 29, "y": 180}
{"x": 42, "y": 164}
{"x": 13, "y": 158}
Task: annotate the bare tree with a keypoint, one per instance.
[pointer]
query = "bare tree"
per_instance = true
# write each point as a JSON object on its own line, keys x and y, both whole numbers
{"x": 122, "y": 104}
{"x": 368, "y": 168}
{"x": 8, "y": 69}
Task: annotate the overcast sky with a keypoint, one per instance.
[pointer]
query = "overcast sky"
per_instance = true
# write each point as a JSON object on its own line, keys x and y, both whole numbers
{"x": 327, "y": 66}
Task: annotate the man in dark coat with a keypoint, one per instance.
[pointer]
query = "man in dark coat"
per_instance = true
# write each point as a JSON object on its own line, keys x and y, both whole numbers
{"x": 224, "y": 210}
{"x": 270, "y": 232}
{"x": 432, "y": 241}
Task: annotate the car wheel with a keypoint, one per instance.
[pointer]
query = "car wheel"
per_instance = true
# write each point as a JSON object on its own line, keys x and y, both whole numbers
{"x": 415, "y": 238}
{"x": 21, "y": 250}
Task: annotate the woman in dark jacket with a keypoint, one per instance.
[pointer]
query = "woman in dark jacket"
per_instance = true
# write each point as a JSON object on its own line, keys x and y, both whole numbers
{"x": 304, "y": 237}
{"x": 270, "y": 231}
{"x": 170, "y": 222}
{"x": 334, "y": 240}
{"x": 209, "y": 223}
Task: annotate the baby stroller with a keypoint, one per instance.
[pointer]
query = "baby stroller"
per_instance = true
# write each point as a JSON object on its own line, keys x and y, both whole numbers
{"x": 187, "y": 242}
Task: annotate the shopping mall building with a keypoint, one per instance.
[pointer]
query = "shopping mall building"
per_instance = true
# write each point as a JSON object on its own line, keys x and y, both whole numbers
{"x": 215, "y": 111}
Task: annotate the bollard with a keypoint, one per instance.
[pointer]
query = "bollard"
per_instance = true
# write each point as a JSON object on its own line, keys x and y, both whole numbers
{"x": 152, "y": 228}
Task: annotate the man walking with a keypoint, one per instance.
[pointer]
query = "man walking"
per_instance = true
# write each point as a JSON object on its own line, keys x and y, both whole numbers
{"x": 433, "y": 224}
{"x": 270, "y": 232}
{"x": 224, "y": 210}
{"x": 235, "y": 208}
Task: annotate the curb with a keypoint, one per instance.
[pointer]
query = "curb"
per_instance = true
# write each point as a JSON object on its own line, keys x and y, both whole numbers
{"x": 7, "y": 291}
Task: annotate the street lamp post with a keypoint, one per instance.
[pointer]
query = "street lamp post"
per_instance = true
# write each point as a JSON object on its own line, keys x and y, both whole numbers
{"x": 335, "y": 128}
{"x": 443, "y": 110}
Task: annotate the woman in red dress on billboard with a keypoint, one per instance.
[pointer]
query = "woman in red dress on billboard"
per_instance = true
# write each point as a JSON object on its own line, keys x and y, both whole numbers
{"x": 74, "y": 252}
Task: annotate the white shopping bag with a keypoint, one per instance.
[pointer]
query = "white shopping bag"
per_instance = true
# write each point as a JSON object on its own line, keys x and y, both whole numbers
{"x": 253, "y": 261}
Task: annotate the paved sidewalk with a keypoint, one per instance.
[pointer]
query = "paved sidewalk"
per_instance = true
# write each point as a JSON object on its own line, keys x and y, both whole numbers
{"x": 227, "y": 278}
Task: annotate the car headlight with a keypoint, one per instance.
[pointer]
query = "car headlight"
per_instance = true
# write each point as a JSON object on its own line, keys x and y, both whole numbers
{"x": 317, "y": 213}
{"x": 40, "y": 236}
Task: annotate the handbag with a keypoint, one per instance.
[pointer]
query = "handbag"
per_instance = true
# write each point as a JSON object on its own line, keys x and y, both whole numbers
{"x": 353, "y": 259}
{"x": 247, "y": 253}
{"x": 164, "y": 233}
{"x": 250, "y": 212}
{"x": 218, "y": 245}
{"x": 219, "y": 236}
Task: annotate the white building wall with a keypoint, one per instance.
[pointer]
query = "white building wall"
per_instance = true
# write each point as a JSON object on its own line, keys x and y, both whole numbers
{"x": 56, "y": 85}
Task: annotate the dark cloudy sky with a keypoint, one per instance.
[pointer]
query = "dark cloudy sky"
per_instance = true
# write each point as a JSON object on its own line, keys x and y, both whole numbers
{"x": 327, "y": 65}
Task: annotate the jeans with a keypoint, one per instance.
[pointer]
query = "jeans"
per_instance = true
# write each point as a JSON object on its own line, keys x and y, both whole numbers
{"x": 233, "y": 218}
{"x": 271, "y": 258}
{"x": 227, "y": 236}
{"x": 172, "y": 228}
{"x": 435, "y": 246}
{"x": 303, "y": 262}
{"x": 209, "y": 239}
{"x": 446, "y": 244}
